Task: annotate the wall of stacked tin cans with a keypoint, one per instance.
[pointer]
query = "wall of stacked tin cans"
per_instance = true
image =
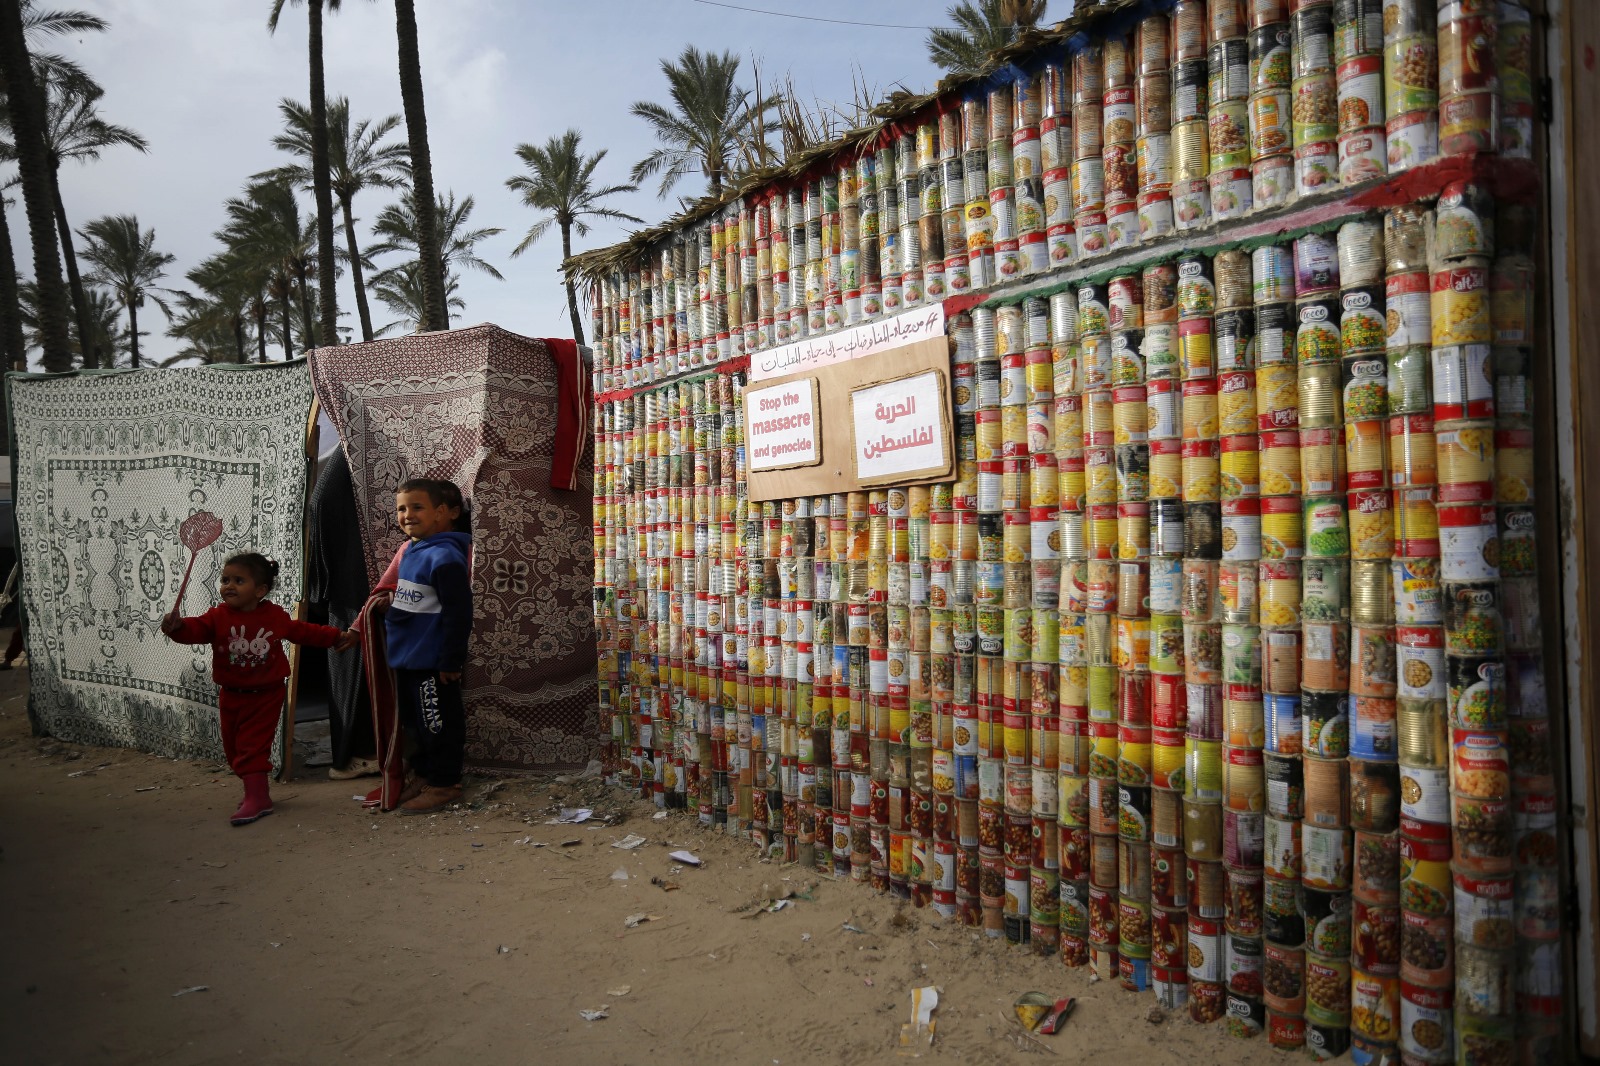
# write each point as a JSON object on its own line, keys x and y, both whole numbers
{"x": 1216, "y": 667}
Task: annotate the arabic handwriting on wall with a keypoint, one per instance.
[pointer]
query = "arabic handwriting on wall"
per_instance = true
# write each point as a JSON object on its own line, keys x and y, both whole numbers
{"x": 888, "y": 413}
{"x": 885, "y": 444}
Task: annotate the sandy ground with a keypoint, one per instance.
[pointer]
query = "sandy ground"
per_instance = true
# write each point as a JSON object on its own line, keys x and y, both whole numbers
{"x": 329, "y": 934}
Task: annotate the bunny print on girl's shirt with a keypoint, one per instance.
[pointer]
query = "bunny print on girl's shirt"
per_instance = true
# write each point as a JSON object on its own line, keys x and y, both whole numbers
{"x": 248, "y": 653}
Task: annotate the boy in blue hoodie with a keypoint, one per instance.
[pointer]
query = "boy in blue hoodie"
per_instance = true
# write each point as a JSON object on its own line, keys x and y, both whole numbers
{"x": 427, "y": 628}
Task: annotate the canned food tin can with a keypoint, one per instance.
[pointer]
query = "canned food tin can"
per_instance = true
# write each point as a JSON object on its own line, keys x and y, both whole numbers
{"x": 1460, "y": 305}
{"x": 1327, "y": 723}
{"x": 1232, "y": 189}
{"x": 1374, "y": 1006}
{"x": 1283, "y": 729}
{"x": 1243, "y": 965}
{"x": 1272, "y": 181}
{"x": 1374, "y": 923}
{"x": 1360, "y": 92}
{"x": 1362, "y": 326}
{"x": 1363, "y": 155}
{"x": 1285, "y": 924}
{"x": 1466, "y": 460}
{"x": 1426, "y": 1018}
{"x": 1283, "y": 980}
{"x": 1327, "y": 990}
{"x": 1327, "y": 792}
{"x": 1463, "y": 383}
{"x": 1278, "y": 408}
{"x": 1208, "y": 893}
{"x": 1314, "y": 109}
{"x": 1327, "y": 914}
{"x": 1484, "y": 986}
{"x": 1282, "y": 528}
{"x": 1412, "y": 139}
{"x": 1420, "y": 662}
{"x": 1271, "y": 127}
{"x": 1409, "y": 381}
{"x": 1269, "y": 57}
{"x": 1281, "y": 661}
{"x": 1484, "y": 854}
{"x": 1241, "y": 544}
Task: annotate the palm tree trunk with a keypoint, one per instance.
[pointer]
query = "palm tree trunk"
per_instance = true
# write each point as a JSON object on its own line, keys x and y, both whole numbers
{"x": 307, "y": 323}
{"x": 260, "y": 310}
{"x": 13, "y": 348}
{"x": 74, "y": 282}
{"x": 133, "y": 333}
{"x": 433, "y": 293}
{"x": 327, "y": 279}
{"x": 288, "y": 342}
{"x": 238, "y": 339}
{"x": 33, "y": 164}
{"x": 355, "y": 270}
{"x": 572, "y": 293}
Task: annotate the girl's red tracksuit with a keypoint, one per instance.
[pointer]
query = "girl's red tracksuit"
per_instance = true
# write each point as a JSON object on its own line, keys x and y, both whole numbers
{"x": 248, "y": 665}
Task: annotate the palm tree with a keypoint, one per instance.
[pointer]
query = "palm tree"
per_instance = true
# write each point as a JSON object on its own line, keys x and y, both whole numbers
{"x": 25, "y": 106}
{"x": 327, "y": 290}
{"x": 106, "y": 331}
{"x": 400, "y": 290}
{"x": 559, "y": 181}
{"x": 40, "y": 23}
{"x": 358, "y": 159}
{"x": 207, "y": 332}
{"x": 264, "y": 228}
{"x": 75, "y": 131}
{"x": 429, "y": 250}
{"x": 13, "y": 348}
{"x": 230, "y": 287}
{"x": 711, "y": 119}
{"x": 400, "y": 226}
{"x": 125, "y": 260}
{"x": 980, "y": 29}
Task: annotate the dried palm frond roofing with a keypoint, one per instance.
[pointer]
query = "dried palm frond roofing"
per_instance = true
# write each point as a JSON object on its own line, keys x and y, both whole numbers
{"x": 1030, "y": 47}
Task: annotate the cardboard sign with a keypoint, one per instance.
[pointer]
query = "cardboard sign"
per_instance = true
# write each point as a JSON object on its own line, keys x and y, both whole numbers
{"x": 899, "y": 429}
{"x": 781, "y": 427}
{"x": 871, "y": 338}
{"x": 834, "y": 468}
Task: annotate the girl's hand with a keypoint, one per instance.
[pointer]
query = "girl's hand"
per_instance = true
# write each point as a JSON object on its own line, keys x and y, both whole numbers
{"x": 347, "y": 640}
{"x": 171, "y": 623}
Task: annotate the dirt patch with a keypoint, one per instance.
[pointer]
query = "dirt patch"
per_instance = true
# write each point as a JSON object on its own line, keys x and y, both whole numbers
{"x": 330, "y": 934}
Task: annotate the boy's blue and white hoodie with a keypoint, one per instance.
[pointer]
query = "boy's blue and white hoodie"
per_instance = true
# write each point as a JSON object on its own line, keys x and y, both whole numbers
{"x": 431, "y": 617}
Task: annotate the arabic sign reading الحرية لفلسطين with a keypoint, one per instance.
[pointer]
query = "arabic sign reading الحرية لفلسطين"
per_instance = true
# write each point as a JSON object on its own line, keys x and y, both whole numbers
{"x": 899, "y": 427}
{"x": 781, "y": 425}
{"x": 917, "y": 324}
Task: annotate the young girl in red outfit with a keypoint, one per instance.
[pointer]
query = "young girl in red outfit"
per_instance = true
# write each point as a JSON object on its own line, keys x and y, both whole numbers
{"x": 246, "y": 634}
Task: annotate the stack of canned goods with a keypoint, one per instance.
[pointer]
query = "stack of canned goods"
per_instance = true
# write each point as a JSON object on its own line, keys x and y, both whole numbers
{"x": 1159, "y": 42}
{"x": 1315, "y": 111}
{"x": 1027, "y": 175}
{"x": 1231, "y": 75}
{"x": 930, "y": 212}
{"x": 1271, "y": 109}
{"x": 1514, "y": 60}
{"x": 1055, "y": 153}
{"x": 1358, "y": 67}
{"x": 1119, "y": 139}
{"x": 1538, "y": 973}
{"x": 1187, "y": 115}
{"x": 1138, "y": 816}
{"x": 1087, "y": 172}
{"x": 1410, "y": 83}
{"x": 1209, "y": 759}
{"x": 1469, "y": 82}
{"x": 1000, "y": 106}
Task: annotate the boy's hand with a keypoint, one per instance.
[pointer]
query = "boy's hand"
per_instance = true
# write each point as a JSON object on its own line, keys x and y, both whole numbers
{"x": 450, "y": 677}
{"x": 171, "y": 623}
{"x": 347, "y": 640}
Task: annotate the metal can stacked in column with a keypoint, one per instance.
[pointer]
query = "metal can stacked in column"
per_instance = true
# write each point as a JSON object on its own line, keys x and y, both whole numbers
{"x": 1410, "y": 83}
{"x": 1119, "y": 148}
{"x": 1154, "y": 48}
{"x": 1055, "y": 154}
{"x": 1538, "y": 984}
{"x": 1228, "y": 91}
{"x": 1421, "y": 721}
{"x": 1205, "y": 775}
{"x": 1469, "y": 81}
{"x": 1072, "y": 694}
{"x": 1028, "y": 178}
{"x": 1280, "y": 548}
{"x": 1314, "y": 107}
{"x": 1002, "y": 193}
{"x": 1271, "y": 105}
{"x": 1100, "y": 610}
{"x": 1168, "y": 695}
{"x": 1358, "y": 71}
{"x": 1191, "y": 85}
{"x": 930, "y": 212}
{"x": 1131, "y": 627}
{"x": 981, "y": 224}
{"x": 1514, "y": 59}
{"x": 1475, "y": 638}
{"x": 1087, "y": 174}
{"x": 1374, "y": 776}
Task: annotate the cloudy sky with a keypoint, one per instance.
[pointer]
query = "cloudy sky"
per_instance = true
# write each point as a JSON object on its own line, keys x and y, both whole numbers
{"x": 201, "y": 80}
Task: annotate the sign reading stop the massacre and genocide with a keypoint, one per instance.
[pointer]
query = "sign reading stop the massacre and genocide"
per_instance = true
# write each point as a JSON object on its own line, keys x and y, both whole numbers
{"x": 781, "y": 426}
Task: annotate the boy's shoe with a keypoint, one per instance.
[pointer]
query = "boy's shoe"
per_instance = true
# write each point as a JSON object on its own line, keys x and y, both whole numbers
{"x": 430, "y": 799}
{"x": 354, "y": 769}
{"x": 401, "y": 793}
{"x": 257, "y": 800}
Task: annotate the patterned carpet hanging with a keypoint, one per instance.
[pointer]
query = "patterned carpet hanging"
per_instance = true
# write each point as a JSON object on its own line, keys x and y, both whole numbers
{"x": 107, "y": 468}
{"x": 479, "y": 406}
